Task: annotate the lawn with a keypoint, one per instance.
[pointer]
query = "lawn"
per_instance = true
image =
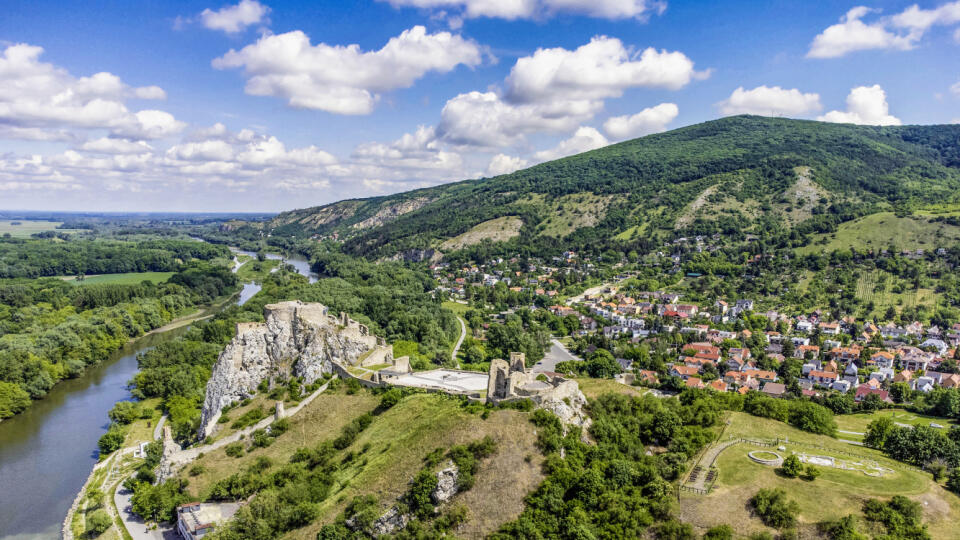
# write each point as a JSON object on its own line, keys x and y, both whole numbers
{"x": 130, "y": 278}
{"x": 28, "y": 227}
{"x": 456, "y": 307}
{"x": 834, "y": 494}
{"x": 593, "y": 388}
{"x": 256, "y": 271}
{"x": 858, "y": 422}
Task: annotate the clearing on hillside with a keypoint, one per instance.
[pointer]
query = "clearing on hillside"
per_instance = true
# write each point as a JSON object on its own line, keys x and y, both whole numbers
{"x": 130, "y": 278}
{"x": 497, "y": 230}
{"x": 572, "y": 212}
{"x": 836, "y": 493}
{"x": 22, "y": 228}
{"x": 884, "y": 229}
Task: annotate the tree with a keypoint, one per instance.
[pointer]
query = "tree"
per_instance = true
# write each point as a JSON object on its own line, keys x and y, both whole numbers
{"x": 602, "y": 365}
{"x": 98, "y": 522}
{"x": 792, "y": 466}
{"x": 953, "y": 480}
{"x": 900, "y": 391}
{"x": 111, "y": 440}
{"x": 811, "y": 473}
{"x": 878, "y": 431}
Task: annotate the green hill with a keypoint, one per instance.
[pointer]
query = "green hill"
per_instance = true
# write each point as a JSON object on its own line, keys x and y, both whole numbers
{"x": 732, "y": 176}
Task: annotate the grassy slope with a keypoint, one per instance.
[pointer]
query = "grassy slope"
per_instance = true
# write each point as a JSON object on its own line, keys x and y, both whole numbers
{"x": 253, "y": 270}
{"x": 879, "y": 231}
{"x": 495, "y": 230}
{"x": 398, "y": 441}
{"x": 835, "y": 494}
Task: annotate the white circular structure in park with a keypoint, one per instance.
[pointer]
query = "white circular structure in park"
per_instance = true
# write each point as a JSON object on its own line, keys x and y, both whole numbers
{"x": 766, "y": 457}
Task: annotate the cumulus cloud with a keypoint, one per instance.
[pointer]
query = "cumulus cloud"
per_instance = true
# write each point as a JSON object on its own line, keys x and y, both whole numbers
{"x": 865, "y": 105}
{"x": 583, "y": 140}
{"x": 106, "y": 145}
{"x": 504, "y": 164}
{"x": 528, "y": 9}
{"x": 233, "y": 19}
{"x": 344, "y": 79}
{"x": 602, "y": 68}
{"x": 556, "y": 90}
{"x": 955, "y": 89}
{"x": 770, "y": 101}
{"x": 484, "y": 119}
{"x": 852, "y": 34}
{"x": 901, "y": 31}
{"x": 645, "y": 122}
{"x": 39, "y": 100}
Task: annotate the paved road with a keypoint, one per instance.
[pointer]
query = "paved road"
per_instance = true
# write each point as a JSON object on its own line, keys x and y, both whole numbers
{"x": 705, "y": 462}
{"x": 557, "y": 353}
{"x": 158, "y": 431}
{"x": 134, "y": 525}
{"x": 456, "y": 348}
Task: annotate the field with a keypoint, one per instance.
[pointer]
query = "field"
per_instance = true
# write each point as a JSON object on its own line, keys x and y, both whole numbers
{"x": 256, "y": 271}
{"x": 593, "y": 388}
{"x": 26, "y": 228}
{"x": 130, "y": 278}
{"x": 834, "y": 494}
{"x": 884, "y": 229}
{"x": 396, "y": 442}
{"x": 456, "y": 307}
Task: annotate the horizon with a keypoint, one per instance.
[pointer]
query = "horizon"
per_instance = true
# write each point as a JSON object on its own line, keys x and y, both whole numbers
{"x": 261, "y": 107}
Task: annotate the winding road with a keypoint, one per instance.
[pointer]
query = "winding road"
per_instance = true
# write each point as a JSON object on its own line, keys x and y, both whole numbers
{"x": 456, "y": 348}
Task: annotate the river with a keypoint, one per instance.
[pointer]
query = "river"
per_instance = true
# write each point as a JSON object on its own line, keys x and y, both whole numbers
{"x": 47, "y": 452}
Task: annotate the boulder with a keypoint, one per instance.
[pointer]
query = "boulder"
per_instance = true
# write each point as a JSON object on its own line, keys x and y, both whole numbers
{"x": 446, "y": 485}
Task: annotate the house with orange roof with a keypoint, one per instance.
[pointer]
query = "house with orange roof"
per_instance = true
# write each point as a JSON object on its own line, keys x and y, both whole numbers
{"x": 904, "y": 376}
{"x": 684, "y": 372}
{"x": 694, "y": 382}
{"x": 718, "y": 385}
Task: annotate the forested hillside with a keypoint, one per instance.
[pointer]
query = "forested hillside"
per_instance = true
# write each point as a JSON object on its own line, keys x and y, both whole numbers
{"x": 733, "y": 176}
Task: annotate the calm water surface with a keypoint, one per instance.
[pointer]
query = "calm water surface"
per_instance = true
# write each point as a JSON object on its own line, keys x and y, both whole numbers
{"x": 47, "y": 451}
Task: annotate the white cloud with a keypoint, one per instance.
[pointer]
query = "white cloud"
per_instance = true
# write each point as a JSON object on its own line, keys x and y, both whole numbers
{"x": 600, "y": 69}
{"x": 851, "y": 34}
{"x": 865, "y": 105}
{"x": 106, "y": 145}
{"x": 920, "y": 20}
{"x": 232, "y": 19}
{"x": 770, "y": 101}
{"x": 484, "y": 119}
{"x": 528, "y": 9}
{"x": 645, "y": 122}
{"x": 902, "y": 31}
{"x": 556, "y": 90}
{"x": 344, "y": 79}
{"x": 956, "y": 35}
{"x": 420, "y": 151}
{"x": 955, "y": 89}
{"x": 37, "y": 97}
{"x": 504, "y": 164}
{"x": 583, "y": 140}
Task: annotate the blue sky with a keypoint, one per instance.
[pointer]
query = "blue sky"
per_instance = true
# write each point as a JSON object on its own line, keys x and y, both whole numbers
{"x": 271, "y": 105}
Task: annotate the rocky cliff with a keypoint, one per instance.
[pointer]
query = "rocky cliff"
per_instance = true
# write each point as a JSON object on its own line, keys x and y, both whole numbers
{"x": 296, "y": 339}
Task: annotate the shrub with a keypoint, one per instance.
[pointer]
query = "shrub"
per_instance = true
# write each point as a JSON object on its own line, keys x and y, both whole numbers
{"x": 720, "y": 532}
{"x": 197, "y": 470}
{"x": 811, "y": 473}
{"x": 98, "y": 522}
{"x": 774, "y": 509}
{"x": 792, "y": 466}
{"x": 234, "y": 450}
{"x": 953, "y": 481}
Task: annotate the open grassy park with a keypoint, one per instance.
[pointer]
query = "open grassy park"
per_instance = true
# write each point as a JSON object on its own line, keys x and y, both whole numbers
{"x": 129, "y": 278}
{"x": 836, "y": 493}
{"x": 21, "y": 228}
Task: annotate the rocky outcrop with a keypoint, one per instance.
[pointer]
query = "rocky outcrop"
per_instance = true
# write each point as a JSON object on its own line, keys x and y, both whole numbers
{"x": 570, "y": 409}
{"x": 417, "y": 255}
{"x": 446, "y": 485}
{"x": 296, "y": 339}
{"x": 391, "y": 212}
{"x": 390, "y": 522}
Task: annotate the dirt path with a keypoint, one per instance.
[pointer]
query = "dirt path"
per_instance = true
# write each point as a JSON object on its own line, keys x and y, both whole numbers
{"x": 697, "y": 478}
{"x": 456, "y": 348}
